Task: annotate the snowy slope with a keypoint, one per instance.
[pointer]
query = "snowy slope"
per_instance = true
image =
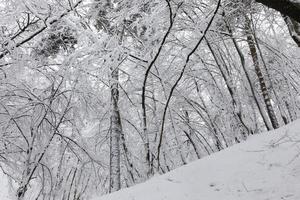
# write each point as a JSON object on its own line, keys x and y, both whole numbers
{"x": 4, "y": 187}
{"x": 265, "y": 167}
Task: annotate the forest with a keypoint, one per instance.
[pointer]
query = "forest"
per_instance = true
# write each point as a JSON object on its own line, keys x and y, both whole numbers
{"x": 99, "y": 95}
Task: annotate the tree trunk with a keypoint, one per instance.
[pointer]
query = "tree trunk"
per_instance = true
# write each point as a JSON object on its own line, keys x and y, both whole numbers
{"x": 242, "y": 58}
{"x": 191, "y": 135}
{"x": 115, "y": 135}
{"x": 261, "y": 79}
{"x": 236, "y": 110}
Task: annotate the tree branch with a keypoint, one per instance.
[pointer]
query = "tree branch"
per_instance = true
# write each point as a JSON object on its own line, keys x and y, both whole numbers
{"x": 286, "y": 7}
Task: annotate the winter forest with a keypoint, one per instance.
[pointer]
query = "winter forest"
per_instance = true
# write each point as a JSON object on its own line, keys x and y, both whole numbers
{"x": 100, "y": 95}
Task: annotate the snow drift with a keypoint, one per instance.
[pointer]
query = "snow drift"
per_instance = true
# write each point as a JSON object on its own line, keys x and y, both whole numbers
{"x": 5, "y": 193}
{"x": 265, "y": 167}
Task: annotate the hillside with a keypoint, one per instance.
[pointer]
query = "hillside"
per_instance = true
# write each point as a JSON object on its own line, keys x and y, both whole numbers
{"x": 4, "y": 187}
{"x": 265, "y": 167}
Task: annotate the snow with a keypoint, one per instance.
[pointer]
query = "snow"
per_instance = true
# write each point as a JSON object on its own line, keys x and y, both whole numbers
{"x": 4, "y": 187}
{"x": 265, "y": 167}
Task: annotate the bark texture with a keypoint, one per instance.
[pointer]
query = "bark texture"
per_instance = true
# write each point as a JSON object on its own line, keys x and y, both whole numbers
{"x": 261, "y": 79}
{"x": 115, "y": 136}
{"x": 251, "y": 85}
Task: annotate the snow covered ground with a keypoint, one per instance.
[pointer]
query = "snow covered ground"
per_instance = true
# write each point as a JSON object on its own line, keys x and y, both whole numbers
{"x": 4, "y": 187}
{"x": 265, "y": 167}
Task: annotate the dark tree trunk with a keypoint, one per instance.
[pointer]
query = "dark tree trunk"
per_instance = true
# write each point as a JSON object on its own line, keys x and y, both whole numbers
{"x": 261, "y": 79}
{"x": 115, "y": 135}
{"x": 243, "y": 63}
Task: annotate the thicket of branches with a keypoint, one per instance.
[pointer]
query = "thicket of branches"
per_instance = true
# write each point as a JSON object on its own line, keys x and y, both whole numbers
{"x": 100, "y": 95}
